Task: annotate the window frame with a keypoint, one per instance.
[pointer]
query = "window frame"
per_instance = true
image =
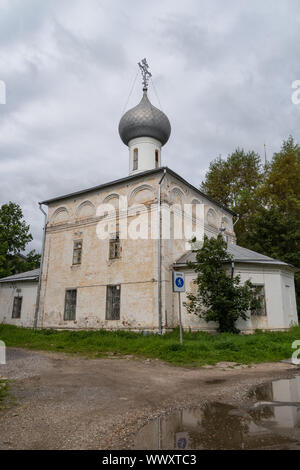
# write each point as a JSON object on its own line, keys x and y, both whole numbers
{"x": 71, "y": 315}
{"x": 135, "y": 164}
{"x": 17, "y": 315}
{"x": 110, "y": 310}
{"x": 77, "y": 252}
{"x": 114, "y": 246}
{"x": 263, "y": 309}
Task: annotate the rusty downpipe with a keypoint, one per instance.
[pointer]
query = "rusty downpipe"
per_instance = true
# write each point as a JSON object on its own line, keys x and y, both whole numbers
{"x": 159, "y": 253}
{"x": 38, "y": 294}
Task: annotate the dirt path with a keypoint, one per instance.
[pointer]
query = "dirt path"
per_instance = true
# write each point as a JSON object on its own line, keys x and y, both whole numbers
{"x": 65, "y": 402}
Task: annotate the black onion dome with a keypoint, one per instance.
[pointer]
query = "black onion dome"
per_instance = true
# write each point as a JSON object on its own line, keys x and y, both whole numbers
{"x": 145, "y": 120}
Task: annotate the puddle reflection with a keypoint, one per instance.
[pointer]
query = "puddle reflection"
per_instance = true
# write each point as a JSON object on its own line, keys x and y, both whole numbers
{"x": 222, "y": 426}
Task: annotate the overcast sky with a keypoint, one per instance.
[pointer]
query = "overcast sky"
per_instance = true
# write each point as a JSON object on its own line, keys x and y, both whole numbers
{"x": 222, "y": 70}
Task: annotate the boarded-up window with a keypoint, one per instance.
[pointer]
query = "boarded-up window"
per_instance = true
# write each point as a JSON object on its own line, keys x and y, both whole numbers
{"x": 70, "y": 304}
{"x": 114, "y": 246}
{"x": 113, "y": 302}
{"x": 259, "y": 291}
{"x": 77, "y": 252}
{"x": 17, "y": 306}
{"x": 135, "y": 159}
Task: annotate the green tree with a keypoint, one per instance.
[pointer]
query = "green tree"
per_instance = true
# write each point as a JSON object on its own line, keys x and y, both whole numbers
{"x": 281, "y": 187}
{"x": 267, "y": 199}
{"x": 220, "y": 296}
{"x": 274, "y": 227}
{"x": 26, "y": 263}
{"x": 234, "y": 182}
{"x": 14, "y": 237}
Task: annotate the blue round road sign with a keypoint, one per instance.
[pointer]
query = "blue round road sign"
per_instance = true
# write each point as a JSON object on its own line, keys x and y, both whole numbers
{"x": 179, "y": 282}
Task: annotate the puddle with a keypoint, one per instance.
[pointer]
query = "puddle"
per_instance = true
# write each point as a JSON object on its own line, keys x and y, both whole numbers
{"x": 273, "y": 422}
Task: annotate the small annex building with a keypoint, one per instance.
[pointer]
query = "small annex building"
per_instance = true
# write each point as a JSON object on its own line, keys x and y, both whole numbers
{"x": 274, "y": 280}
{"x": 18, "y": 298}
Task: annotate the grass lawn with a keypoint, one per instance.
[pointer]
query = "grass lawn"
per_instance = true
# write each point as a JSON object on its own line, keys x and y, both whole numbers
{"x": 198, "y": 348}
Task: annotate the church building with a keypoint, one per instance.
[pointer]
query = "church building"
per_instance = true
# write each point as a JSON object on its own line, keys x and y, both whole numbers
{"x": 108, "y": 255}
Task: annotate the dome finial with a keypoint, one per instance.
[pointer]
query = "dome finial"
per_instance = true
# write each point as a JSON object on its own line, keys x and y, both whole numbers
{"x": 145, "y": 73}
{"x": 144, "y": 129}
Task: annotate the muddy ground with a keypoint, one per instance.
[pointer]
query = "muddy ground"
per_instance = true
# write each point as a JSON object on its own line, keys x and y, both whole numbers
{"x": 64, "y": 402}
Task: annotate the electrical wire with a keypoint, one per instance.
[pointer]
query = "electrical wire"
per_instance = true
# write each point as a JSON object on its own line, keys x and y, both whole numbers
{"x": 130, "y": 93}
{"x": 156, "y": 94}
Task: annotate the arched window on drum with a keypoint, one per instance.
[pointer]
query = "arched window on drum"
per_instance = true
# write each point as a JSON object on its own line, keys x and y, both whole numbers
{"x": 135, "y": 159}
{"x": 156, "y": 158}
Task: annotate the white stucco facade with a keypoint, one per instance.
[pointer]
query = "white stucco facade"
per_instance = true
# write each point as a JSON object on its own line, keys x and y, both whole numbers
{"x": 136, "y": 271}
{"x": 280, "y": 299}
{"x": 27, "y": 290}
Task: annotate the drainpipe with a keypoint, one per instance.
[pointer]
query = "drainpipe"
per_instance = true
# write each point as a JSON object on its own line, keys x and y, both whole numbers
{"x": 232, "y": 264}
{"x": 159, "y": 255}
{"x": 37, "y": 304}
{"x": 232, "y": 269}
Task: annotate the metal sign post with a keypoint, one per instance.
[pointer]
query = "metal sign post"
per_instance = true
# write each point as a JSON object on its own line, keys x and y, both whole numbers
{"x": 180, "y": 322}
{"x": 179, "y": 286}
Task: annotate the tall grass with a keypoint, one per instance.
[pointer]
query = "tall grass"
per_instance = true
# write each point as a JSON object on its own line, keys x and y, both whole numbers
{"x": 199, "y": 348}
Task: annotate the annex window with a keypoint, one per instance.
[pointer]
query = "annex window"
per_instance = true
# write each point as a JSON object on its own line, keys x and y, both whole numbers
{"x": 113, "y": 295}
{"x": 77, "y": 252}
{"x": 114, "y": 246}
{"x": 259, "y": 290}
{"x": 156, "y": 159}
{"x": 70, "y": 304}
{"x": 135, "y": 159}
{"x": 17, "y": 306}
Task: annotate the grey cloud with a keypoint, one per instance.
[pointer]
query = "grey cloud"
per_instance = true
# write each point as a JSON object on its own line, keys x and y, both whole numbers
{"x": 223, "y": 72}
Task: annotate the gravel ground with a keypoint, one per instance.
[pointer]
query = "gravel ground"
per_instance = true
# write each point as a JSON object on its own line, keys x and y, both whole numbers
{"x": 64, "y": 402}
{"x": 21, "y": 364}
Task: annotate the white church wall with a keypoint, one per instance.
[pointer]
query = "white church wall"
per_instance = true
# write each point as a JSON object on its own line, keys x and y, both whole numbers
{"x": 27, "y": 290}
{"x": 274, "y": 279}
{"x": 175, "y": 191}
{"x": 137, "y": 269}
{"x": 91, "y": 277}
{"x": 270, "y": 278}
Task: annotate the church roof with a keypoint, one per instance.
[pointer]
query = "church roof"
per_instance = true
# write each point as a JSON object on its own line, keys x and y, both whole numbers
{"x": 240, "y": 255}
{"x": 32, "y": 275}
{"x": 134, "y": 177}
{"x": 144, "y": 120}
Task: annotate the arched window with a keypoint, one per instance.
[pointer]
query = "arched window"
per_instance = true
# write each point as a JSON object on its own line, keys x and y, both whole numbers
{"x": 135, "y": 159}
{"x": 156, "y": 159}
{"x": 212, "y": 217}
